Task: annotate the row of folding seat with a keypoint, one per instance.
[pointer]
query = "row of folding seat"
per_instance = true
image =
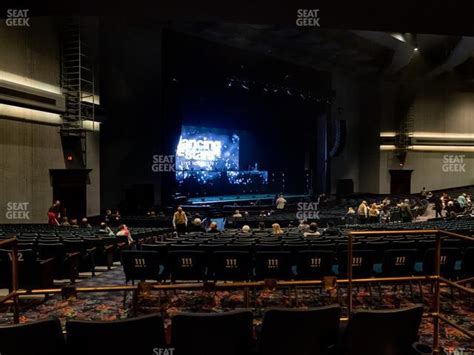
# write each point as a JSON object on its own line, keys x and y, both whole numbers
{"x": 231, "y": 265}
{"x": 283, "y": 331}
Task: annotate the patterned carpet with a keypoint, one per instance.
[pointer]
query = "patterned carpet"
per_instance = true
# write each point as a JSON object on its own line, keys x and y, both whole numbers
{"x": 110, "y": 306}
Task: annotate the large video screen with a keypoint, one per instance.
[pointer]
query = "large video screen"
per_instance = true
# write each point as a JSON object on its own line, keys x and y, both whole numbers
{"x": 207, "y": 149}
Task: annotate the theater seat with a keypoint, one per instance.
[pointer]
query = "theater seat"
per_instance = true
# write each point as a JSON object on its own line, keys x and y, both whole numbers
{"x": 37, "y": 338}
{"x": 387, "y": 332}
{"x": 299, "y": 331}
{"x": 138, "y": 336}
{"x": 227, "y": 333}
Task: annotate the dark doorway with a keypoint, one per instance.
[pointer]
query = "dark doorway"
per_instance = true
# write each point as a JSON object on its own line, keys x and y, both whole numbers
{"x": 400, "y": 182}
{"x": 70, "y": 187}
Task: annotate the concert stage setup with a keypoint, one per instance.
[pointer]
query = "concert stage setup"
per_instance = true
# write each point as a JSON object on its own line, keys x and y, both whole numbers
{"x": 266, "y": 199}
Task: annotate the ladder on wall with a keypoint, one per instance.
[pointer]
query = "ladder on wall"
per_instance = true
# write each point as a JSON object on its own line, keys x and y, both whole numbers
{"x": 77, "y": 82}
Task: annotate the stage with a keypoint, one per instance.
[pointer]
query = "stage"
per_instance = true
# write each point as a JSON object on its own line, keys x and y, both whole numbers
{"x": 208, "y": 200}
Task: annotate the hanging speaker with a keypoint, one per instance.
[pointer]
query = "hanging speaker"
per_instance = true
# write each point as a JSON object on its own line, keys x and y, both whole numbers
{"x": 340, "y": 132}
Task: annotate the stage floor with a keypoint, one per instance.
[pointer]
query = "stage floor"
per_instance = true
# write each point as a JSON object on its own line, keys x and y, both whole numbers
{"x": 237, "y": 198}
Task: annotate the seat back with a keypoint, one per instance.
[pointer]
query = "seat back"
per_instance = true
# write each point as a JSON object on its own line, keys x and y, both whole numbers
{"x": 122, "y": 337}
{"x": 467, "y": 266}
{"x": 273, "y": 265}
{"x": 227, "y": 333}
{"x": 399, "y": 262}
{"x": 362, "y": 263}
{"x": 43, "y": 337}
{"x": 232, "y": 265}
{"x": 27, "y": 264}
{"x": 187, "y": 265}
{"x": 299, "y": 331}
{"x": 140, "y": 265}
{"x": 387, "y": 332}
{"x": 449, "y": 256}
{"x": 314, "y": 264}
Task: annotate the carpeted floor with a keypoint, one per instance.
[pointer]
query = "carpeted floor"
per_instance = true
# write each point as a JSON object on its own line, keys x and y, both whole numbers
{"x": 116, "y": 305}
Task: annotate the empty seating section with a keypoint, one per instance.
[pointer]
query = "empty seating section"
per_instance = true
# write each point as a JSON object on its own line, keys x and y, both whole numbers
{"x": 231, "y": 256}
{"x": 47, "y": 253}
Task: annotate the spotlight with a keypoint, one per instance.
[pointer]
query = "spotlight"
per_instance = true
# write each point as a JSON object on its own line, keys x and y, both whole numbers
{"x": 289, "y": 92}
{"x": 265, "y": 89}
{"x": 229, "y": 84}
{"x": 245, "y": 87}
{"x": 275, "y": 90}
{"x": 415, "y": 49}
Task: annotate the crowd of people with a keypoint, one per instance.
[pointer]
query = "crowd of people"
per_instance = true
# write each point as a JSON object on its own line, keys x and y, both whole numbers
{"x": 378, "y": 212}
{"x": 446, "y": 206}
{"x": 56, "y": 213}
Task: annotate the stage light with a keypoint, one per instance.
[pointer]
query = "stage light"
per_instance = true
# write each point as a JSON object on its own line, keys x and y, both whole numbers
{"x": 229, "y": 84}
{"x": 245, "y": 87}
{"x": 275, "y": 90}
{"x": 69, "y": 158}
{"x": 289, "y": 92}
{"x": 303, "y": 97}
{"x": 415, "y": 49}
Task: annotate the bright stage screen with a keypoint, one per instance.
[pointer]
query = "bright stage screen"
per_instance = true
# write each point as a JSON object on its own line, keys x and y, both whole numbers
{"x": 207, "y": 149}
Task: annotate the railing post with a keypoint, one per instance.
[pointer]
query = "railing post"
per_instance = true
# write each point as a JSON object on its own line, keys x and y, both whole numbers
{"x": 437, "y": 264}
{"x": 349, "y": 276}
{"x": 15, "y": 283}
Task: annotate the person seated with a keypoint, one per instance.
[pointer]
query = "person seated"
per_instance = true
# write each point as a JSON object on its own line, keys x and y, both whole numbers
{"x": 261, "y": 226}
{"x": 303, "y": 226}
{"x": 65, "y": 222}
{"x": 74, "y": 223}
{"x": 246, "y": 230}
{"x": 237, "y": 214}
{"x": 332, "y": 230}
{"x": 276, "y": 229}
{"x": 196, "y": 226}
{"x": 105, "y": 229}
{"x": 213, "y": 228}
{"x": 85, "y": 223}
{"x": 124, "y": 232}
{"x": 312, "y": 230}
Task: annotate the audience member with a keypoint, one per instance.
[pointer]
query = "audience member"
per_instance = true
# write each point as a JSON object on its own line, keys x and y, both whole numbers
{"x": 362, "y": 212}
{"x": 124, "y": 232}
{"x": 237, "y": 214}
{"x": 85, "y": 223}
{"x": 280, "y": 202}
{"x": 105, "y": 229}
{"x": 246, "y": 229}
{"x": 405, "y": 211}
{"x": 180, "y": 221}
{"x": 65, "y": 222}
{"x": 373, "y": 213}
{"x": 197, "y": 226}
{"x": 276, "y": 229}
{"x": 312, "y": 230}
{"x": 213, "y": 228}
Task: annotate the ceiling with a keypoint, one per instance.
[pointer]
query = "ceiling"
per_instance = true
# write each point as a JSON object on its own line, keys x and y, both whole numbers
{"x": 358, "y": 53}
